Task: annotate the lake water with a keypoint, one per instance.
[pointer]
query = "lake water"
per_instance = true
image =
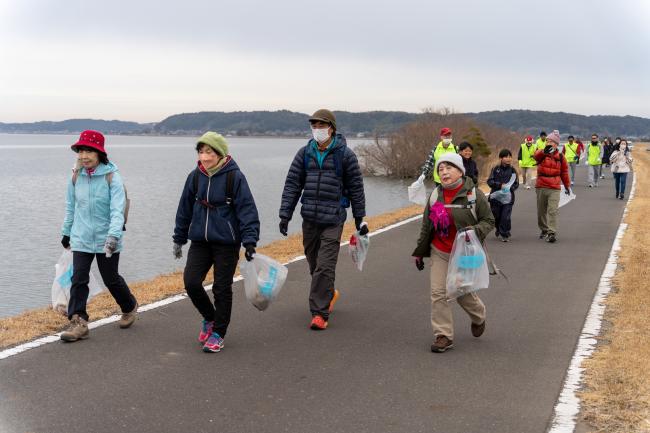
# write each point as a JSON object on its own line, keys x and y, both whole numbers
{"x": 33, "y": 175}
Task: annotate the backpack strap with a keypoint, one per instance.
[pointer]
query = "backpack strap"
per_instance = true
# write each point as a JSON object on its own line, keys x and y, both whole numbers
{"x": 230, "y": 181}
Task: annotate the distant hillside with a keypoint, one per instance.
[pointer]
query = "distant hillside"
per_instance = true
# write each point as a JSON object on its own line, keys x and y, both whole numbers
{"x": 75, "y": 126}
{"x": 533, "y": 122}
{"x": 290, "y": 123}
{"x": 280, "y": 122}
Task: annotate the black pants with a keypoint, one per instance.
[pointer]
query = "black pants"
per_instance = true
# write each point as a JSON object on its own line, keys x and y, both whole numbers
{"x": 200, "y": 258}
{"x": 322, "y": 244}
{"x": 502, "y": 217}
{"x": 112, "y": 280}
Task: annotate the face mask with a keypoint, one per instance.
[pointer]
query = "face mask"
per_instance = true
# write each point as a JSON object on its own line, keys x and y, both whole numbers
{"x": 618, "y": 141}
{"x": 321, "y": 135}
{"x": 446, "y": 141}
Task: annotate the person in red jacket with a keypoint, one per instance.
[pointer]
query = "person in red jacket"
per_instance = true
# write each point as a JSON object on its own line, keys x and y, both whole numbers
{"x": 552, "y": 172}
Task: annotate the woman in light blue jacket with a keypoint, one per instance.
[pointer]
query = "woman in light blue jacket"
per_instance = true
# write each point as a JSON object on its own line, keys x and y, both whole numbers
{"x": 93, "y": 225}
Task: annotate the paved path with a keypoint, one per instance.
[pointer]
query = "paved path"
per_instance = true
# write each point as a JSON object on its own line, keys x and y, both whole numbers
{"x": 371, "y": 371}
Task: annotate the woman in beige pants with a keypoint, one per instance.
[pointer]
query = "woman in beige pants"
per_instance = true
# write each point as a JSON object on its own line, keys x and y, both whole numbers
{"x": 455, "y": 205}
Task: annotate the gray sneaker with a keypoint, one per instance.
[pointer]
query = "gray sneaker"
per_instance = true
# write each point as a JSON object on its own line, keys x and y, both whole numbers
{"x": 128, "y": 319}
{"x": 77, "y": 330}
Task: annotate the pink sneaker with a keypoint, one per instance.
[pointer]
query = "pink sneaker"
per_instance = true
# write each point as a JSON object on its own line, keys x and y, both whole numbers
{"x": 206, "y": 330}
{"x": 214, "y": 343}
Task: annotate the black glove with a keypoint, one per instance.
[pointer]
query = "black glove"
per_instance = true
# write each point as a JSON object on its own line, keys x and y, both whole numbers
{"x": 65, "y": 241}
{"x": 567, "y": 191}
{"x": 419, "y": 263}
{"x": 361, "y": 226}
{"x": 250, "y": 251}
{"x": 284, "y": 226}
{"x": 547, "y": 148}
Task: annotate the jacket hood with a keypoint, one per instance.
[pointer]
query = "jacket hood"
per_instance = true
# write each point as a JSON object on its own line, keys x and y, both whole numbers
{"x": 101, "y": 169}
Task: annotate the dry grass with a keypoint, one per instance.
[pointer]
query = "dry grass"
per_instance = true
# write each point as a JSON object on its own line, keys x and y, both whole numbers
{"x": 617, "y": 378}
{"x": 45, "y": 321}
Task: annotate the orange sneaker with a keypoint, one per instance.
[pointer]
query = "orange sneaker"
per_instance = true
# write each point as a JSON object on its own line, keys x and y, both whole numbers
{"x": 318, "y": 323}
{"x": 335, "y": 298}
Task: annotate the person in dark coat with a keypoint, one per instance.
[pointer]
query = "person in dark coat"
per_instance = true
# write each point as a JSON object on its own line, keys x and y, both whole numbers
{"x": 326, "y": 178}
{"x": 499, "y": 179}
{"x": 217, "y": 213}
{"x": 466, "y": 150}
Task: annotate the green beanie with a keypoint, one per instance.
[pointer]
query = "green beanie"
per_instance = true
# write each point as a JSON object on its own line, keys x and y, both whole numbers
{"x": 215, "y": 141}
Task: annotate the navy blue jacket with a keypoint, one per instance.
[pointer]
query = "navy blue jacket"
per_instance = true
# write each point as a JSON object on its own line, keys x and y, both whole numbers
{"x": 501, "y": 175}
{"x": 320, "y": 190}
{"x": 471, "y": 170}
{"x": 222, "y": 223}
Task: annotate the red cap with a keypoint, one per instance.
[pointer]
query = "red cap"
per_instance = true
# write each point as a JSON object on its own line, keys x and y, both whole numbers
{"x": 92, "y": 139}
{"x": 445, "y": 131}
{"x": 529, "y": 138}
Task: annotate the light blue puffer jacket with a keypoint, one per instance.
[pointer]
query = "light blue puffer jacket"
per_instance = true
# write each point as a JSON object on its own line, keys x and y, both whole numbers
{"x": 93, "y": 210}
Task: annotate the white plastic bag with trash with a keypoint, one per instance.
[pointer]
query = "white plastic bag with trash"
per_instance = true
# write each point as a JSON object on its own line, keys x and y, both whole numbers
{"x": 358, "y": 249}
{"x": 468, "y": 268}
{"x": 263, "y": 279}
{"x": 418, "y": 193}
{"x": 504, "y": 195}
{"x": 63, "y": 282}
{"x": 564, "y": 198}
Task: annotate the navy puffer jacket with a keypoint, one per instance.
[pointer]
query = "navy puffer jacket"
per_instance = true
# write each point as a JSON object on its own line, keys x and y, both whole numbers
{"x": 320, "y": 190}
{"x": 222, "y": 223}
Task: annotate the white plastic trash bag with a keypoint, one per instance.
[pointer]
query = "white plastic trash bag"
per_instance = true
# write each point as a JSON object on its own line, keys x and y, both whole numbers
{"x": 564, "y": 199}
{"x": 504, "y": 195}
{"x": 418, "y": 193}
{"x": 63, "y": 282}
{"x": 358, "y": 249}
{"x": 263, "y": 279}
{"x": 468, "y": 268}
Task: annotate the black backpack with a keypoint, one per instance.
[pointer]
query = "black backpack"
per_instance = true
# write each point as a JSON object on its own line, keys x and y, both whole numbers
{"x": 230, "y": 180}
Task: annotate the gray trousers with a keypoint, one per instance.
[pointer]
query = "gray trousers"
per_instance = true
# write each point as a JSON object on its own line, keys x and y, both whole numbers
{"x": 594, "y": 174}
{"x": 322, "y": 244}
{"x": 527, "y": 173}
{"x": 572, "y": 168}
{"x": 548, "y": 204}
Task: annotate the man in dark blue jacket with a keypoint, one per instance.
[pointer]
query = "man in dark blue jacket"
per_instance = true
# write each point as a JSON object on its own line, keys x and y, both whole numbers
{"x": 326, "y": 178}
{"x": 218, "y": 214}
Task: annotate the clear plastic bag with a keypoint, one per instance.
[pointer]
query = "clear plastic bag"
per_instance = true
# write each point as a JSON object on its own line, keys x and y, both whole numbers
{"x": 358, "y": 249}
{"x": 468, "y": 268}
{"x": 504, "y": 195}
{"x": 263, "y": 279}
{"x": 564, "y": 199}
{"x": 63, "y": 282}
{"x": 418, "y": 193}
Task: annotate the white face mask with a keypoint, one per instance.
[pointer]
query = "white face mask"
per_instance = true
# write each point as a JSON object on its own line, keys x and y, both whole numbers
{"x": 618, "y": 141}
{"x": 446, "y": 141}
{"x": 321, "y": 135}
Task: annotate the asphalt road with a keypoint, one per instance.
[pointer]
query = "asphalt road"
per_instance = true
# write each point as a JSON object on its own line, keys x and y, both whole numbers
{"x": 371, "y": 371}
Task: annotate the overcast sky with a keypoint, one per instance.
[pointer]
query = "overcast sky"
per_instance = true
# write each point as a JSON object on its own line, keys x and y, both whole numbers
{"x": 143, "y": 60}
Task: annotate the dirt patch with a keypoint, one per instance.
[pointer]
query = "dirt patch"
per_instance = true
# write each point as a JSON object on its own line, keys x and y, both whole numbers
{"x": 616, "y": 396}
{"x": 44, "y": 321}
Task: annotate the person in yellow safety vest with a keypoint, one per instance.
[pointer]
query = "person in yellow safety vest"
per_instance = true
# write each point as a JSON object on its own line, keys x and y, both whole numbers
{"x": 571, "y": 151}
{"x": 444, "y": 146}
{"x": 541, "y": 141}
{"x": 526, "y": 159}
{"x": 595, "y": 160}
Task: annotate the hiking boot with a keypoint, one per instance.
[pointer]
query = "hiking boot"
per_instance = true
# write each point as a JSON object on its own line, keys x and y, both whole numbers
{"x": 591, "y": 185}
{"x": 527, "y": 186}
{"x": 214, "y": 343}
{"x": 206, "y": 330}
{"x": 335, "y": 298}
{"x": 318, "y": 323}
{"x": 478, "y": 330}
{"x": 550, "y": 238}
{"x": 128, "y": 319}
{"x": 77, "y": 330}
{"x": 542, "y": 235}
{"x": 505, "y": 239}
{"x": 622, "y": 197}
{"x": 442, "y": 344}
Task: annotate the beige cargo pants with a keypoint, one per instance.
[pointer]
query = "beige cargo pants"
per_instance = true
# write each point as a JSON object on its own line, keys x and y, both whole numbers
{"x": 441, "y": 318}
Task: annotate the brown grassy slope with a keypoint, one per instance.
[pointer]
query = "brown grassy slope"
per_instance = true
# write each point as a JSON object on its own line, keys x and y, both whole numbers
{"x": 616, "y": 398}
{"x": 44, "y": 321}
